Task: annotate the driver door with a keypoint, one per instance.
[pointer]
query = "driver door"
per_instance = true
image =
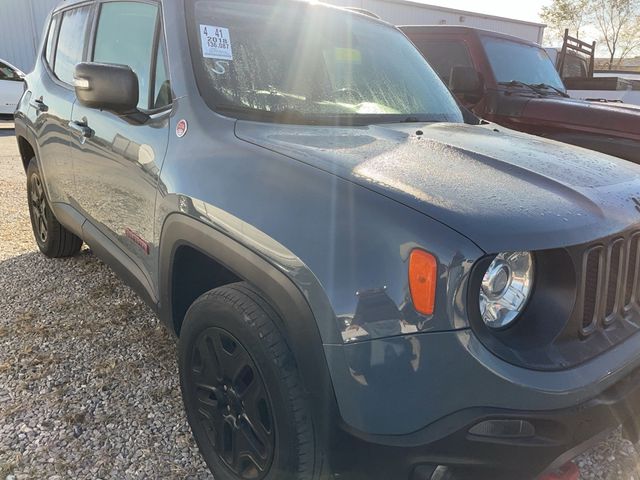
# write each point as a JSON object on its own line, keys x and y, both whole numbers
{"x": 116, "y": 160}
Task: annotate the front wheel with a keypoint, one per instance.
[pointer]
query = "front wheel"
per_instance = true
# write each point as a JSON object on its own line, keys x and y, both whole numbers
{"x": 241, "y": 389}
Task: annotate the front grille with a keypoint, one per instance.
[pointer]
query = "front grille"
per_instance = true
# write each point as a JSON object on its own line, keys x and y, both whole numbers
{"x": 632, "y": 273}
{"x": 609, "y": 286}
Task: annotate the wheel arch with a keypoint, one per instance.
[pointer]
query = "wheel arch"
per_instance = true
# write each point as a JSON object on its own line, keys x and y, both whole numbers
{"x": 27, "y": 151}
{"x": 235, "y": 262}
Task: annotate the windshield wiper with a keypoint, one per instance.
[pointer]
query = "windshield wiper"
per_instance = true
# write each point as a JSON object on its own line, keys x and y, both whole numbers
{"x": 518, "y": 83}
{"x": 282, "y": 115}
{"x": 400, "y": 118}
{"x": 409, "y": 120}
{"x": 546, "y": 85}
{"x": 290, "y": 115}
{"x": 539, "y": 88}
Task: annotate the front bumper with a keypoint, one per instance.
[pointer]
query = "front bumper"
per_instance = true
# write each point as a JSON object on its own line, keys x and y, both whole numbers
{"x": 557, "y": 436}
{"x": 409, "y": 401}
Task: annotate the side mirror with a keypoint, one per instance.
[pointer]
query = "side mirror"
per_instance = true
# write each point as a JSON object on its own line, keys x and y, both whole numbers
{"x": 107, "y": 87}
{"x": 465, "y": 81}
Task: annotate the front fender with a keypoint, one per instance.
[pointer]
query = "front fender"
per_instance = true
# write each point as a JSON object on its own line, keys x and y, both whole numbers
{"x": 197, "y": 229}
{"x": 340, "y": 247}
{"x": 343, "y": 245}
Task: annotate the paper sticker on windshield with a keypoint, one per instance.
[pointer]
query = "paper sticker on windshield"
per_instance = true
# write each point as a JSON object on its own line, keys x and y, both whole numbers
{"x": 216, "y": 42}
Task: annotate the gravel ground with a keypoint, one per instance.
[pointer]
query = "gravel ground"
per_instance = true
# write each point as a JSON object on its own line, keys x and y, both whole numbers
{"x": 88, "y": 378}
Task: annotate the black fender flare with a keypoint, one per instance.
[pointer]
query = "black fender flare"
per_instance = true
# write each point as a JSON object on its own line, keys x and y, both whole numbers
{"x": 299, "y": 325}
{"x": 24, "y": 130}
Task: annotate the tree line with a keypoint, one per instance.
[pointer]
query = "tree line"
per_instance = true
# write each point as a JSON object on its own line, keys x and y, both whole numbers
{"x": 616, "y": 23}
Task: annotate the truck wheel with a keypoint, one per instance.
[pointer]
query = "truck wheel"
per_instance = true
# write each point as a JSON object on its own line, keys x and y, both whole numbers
{"x": 241, "y": 389}
{"x": 52, "y": 238}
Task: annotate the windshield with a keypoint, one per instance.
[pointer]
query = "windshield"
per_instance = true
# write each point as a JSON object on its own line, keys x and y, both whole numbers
{"x": 299, "y": 63}
{"x": 513, "y": 61}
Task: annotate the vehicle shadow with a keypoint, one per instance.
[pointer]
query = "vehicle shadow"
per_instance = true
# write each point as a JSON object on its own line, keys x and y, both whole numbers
{"x": 6, "y": 132}
{"x": 88, "y": 377}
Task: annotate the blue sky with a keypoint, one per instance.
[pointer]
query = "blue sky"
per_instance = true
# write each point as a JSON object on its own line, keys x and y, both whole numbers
{"x": 522, "y": 10}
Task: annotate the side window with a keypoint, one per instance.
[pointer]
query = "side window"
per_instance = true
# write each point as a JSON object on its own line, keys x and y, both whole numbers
{"x": 162, "y": 89}
{"x": 444, "y": 55}
{"x": 51, "y": 40}
{"x": 125, "y": 36}
{"x": 71, "y": 41}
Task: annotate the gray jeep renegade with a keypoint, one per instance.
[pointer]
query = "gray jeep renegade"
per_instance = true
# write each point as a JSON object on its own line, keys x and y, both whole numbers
{"x": 366, "y": 280}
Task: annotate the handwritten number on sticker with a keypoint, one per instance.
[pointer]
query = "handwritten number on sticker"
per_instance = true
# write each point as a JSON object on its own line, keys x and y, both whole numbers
{"x": 216, "y": 42}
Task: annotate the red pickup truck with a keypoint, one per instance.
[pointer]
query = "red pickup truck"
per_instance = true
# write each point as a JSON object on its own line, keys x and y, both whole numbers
{"x": 514, "y": 83}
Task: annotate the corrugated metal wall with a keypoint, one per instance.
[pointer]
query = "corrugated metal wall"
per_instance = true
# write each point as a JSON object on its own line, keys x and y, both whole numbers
{"x": 21, "y": 25}
{"x": 407, "y": 13}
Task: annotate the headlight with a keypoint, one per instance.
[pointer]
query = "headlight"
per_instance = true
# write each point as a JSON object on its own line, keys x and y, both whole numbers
{"x": 506, "y": 287}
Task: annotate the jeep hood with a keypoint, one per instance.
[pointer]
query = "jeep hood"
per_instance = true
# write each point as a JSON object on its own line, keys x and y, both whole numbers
{"x": 502, "y": 189}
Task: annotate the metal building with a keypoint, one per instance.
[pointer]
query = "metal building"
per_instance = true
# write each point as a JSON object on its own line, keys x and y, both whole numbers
{"x": 22, "y": 23}
{"x": 406, "y": 12}
{"x": 21, "y": 26}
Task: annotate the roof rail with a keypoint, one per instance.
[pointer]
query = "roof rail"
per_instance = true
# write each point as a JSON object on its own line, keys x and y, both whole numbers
{"x": 363, "y": 11}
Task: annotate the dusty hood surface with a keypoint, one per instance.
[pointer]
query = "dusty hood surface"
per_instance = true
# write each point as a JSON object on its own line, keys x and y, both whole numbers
{"x": 503, "y": 190}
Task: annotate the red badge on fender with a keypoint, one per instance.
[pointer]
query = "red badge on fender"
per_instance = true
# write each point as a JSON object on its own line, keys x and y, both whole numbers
{"x": 181, "y": 128}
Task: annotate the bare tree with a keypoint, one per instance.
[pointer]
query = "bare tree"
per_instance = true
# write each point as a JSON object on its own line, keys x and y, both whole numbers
{"x": 563, "y": 14}
{"x": 619, "y": 24}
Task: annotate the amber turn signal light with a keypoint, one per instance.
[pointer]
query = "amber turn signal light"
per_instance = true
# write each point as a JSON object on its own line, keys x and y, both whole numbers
{"x": 423, "y": 274}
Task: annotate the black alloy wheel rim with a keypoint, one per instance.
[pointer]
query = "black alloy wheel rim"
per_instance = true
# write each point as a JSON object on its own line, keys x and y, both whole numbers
{"x": 232, "y": 403}
{"x": 39, "y": 208}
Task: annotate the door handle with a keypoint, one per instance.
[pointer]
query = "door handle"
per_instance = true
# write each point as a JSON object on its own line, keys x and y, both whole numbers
{"x": 81, "y": 128}
{"x": 39, "y": 105}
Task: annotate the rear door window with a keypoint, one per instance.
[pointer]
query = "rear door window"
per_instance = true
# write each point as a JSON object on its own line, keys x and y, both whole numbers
{"x": 126, "y": 35}
{"x": 443, "y": 56}
{"x": 71, "y": 41}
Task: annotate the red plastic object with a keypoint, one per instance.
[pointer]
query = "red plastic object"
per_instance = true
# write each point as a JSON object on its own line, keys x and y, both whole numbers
{"x": 568, "y": 471}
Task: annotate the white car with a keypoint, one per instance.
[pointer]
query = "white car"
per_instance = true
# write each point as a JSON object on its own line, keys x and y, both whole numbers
{"x": 11, "y": 87}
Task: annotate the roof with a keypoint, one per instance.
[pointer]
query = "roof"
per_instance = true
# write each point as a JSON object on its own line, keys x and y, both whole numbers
{"x": 464, "y": 29}
{"x": 357, "y": 11}
{"x": 67, "y": 3}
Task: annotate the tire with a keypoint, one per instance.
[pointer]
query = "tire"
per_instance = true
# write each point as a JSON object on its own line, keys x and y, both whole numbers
{"x": 241, "y": 386}
{"x": 52, "y": 238}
